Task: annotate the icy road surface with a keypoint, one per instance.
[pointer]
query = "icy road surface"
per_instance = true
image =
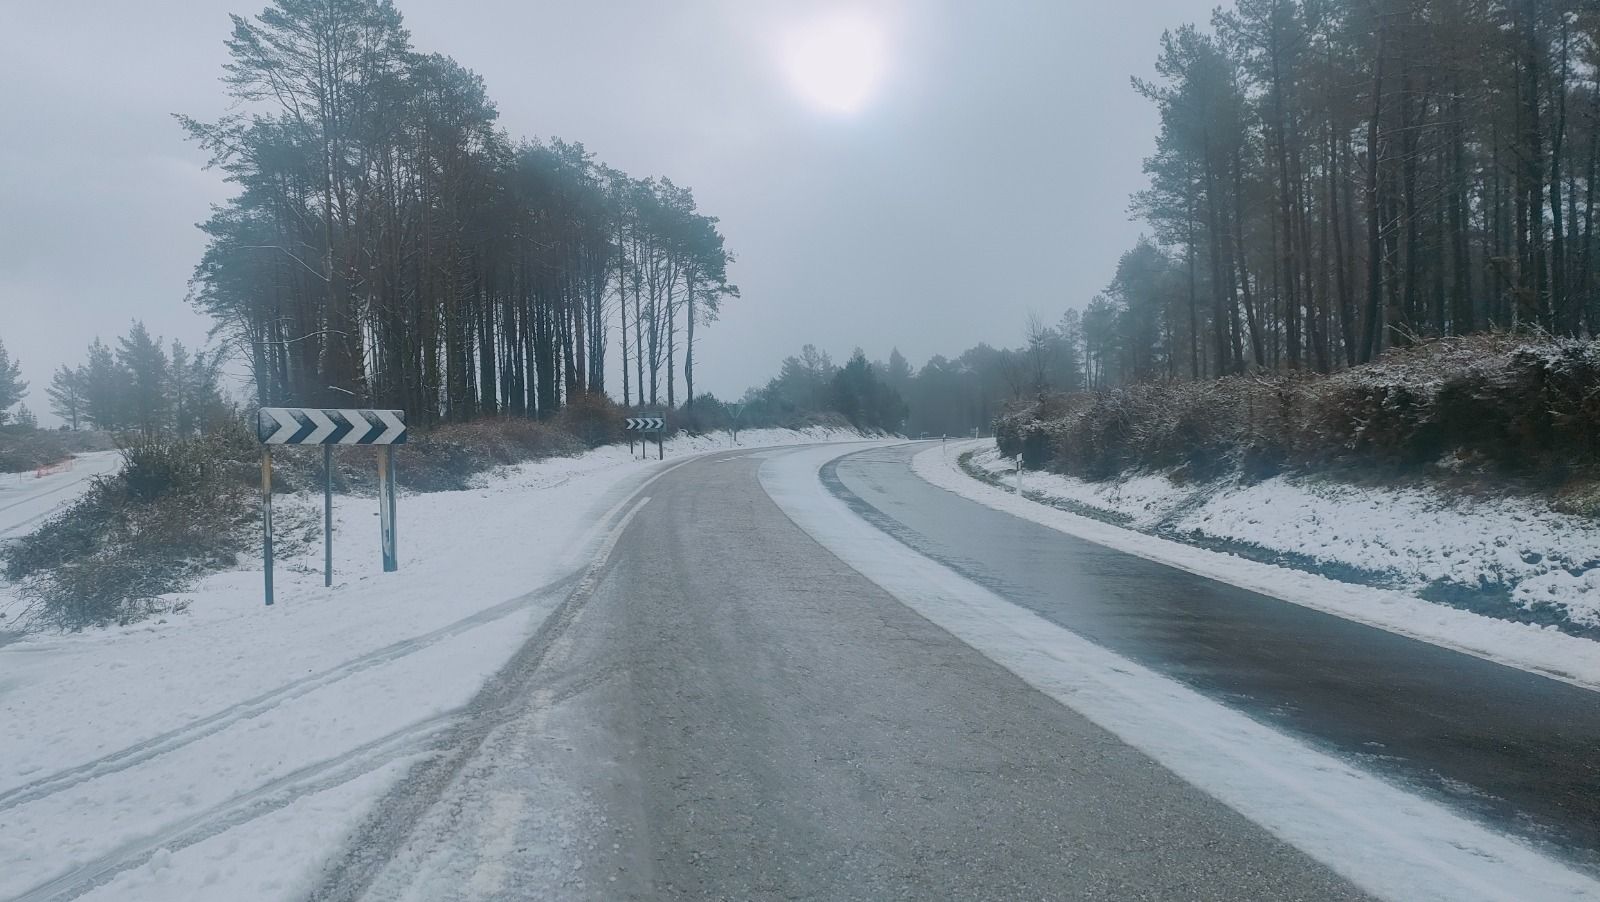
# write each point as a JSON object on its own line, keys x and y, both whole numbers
{"x": 790, "y": 677}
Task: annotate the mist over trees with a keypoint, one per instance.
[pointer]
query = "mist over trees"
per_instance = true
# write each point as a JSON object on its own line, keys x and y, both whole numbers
{"x": 945, "y": 396}
{"x": 1333, "y": 178}
{"x": 142, "y": 387}
{"x": 391, "y": 245}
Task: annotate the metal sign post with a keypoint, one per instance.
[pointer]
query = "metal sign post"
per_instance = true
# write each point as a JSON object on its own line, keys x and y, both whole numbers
{"x": 313, "y": 426}
{"x": 266, "y": 516}
{"x": 733, "y": 420}
{"x": 391, "y": 561}
{"x": 641, "y": 425}
{"x": 327, "y": 515}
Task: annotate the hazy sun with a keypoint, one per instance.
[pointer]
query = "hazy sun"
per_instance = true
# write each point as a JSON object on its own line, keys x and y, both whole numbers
{"x": 835, "y": 61}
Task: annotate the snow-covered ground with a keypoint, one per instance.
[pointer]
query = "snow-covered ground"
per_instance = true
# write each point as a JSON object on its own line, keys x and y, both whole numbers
{"x": 1364, "y": 525}
{"x": 1390, "y": 843}
{"x": 225, "y": 752}
{"x": 1412, "y": 539}
{"x": 28, "y": 499}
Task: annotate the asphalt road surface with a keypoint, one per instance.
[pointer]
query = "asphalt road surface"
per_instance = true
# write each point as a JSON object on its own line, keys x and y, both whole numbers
{"x": 725, "y": 710}
{"x": 1514, "y": 748}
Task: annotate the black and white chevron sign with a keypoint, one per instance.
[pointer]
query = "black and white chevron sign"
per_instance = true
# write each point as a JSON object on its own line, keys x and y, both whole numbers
{"x": 646, "y": 424}
{"x": 310, "y": 426}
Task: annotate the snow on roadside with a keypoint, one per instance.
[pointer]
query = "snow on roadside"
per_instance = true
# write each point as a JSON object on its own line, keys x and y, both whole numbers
{"x": 135, "y": 760}
{"x": 1414, "y": 538}
{"x": 1539, "y": 649}
{"x": 1389, "y": 842}
{"x": 28, "y": 499}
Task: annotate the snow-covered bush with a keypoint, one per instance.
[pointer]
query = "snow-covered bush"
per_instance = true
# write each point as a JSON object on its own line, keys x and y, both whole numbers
{"x": 176, "y": 509}
{"x": 1522, "y": 407}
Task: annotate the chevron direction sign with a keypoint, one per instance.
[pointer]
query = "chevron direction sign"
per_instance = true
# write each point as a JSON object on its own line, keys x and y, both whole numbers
{"x": 329, "y": 428}
{"x": 646, "y": 424}
{"x": 310, "y": 426}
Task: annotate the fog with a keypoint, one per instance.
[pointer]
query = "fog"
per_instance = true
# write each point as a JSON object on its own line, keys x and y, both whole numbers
{"x": 982, "y": 175}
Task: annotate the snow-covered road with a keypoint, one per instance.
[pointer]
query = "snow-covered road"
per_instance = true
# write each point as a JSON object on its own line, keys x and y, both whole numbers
{"x": 28, "y": 499}
{"x": 224, "y": 753}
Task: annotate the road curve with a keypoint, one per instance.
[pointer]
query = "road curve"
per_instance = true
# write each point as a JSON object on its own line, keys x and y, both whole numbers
{"x": 1510, "y": 747}
{"x": 734, "y": 713}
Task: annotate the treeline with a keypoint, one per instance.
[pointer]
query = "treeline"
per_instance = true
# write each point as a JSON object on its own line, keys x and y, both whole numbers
{"x": 945, "y": 396}
{"x": 1333, "y": 178}
{"x": 810, "y": 386}
{"x": 391, "y": 245}
{"x": 139, "y": 386}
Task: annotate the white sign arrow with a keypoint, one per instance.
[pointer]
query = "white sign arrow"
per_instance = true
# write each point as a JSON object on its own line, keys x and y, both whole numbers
{"x": 395, "y": 430}
{"x": 360, "y": 424}
{"x": 323, "y": 423}
{"x": 287, "y": 425}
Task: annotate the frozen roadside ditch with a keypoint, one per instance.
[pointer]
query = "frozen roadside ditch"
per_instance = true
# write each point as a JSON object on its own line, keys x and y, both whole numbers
{"x": 225, "y": 752}
{"x": 1118, "y": 515}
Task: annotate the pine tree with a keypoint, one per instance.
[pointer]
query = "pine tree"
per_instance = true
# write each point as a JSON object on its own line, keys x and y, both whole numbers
{"x": 105, "y": 387}
{"x": 66, "y": 395}
{"x": 149, "y": 393}
{"x": 12, "y": 386}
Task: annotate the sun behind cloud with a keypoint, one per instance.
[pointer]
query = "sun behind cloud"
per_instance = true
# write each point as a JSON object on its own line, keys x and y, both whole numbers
{"x": 835, "y": 61}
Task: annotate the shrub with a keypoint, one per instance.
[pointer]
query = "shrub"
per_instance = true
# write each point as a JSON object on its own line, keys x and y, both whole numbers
{"x": 447, "y": 458}
{"x": 1529, "y": 408}
{"x": 177, "y": 508}
{"x": 593, "y": 418}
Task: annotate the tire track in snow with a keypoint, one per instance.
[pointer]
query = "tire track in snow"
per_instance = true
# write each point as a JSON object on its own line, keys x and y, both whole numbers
{"x": 390, "y": 823}
{"x": 418, "y": 738}
{"x": 609, "y": 526}
{"x": 211, "y": 724}
{"x": 442, "y": 737}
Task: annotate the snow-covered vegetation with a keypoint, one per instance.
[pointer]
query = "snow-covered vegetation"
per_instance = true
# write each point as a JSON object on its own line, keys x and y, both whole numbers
{"x": 1463, "y": 470}
{"x": 177, "y": 509}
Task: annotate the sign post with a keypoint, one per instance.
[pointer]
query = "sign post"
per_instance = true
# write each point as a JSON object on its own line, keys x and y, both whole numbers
{"x": 313, "y": 426}
{"x": 733, "y": 420}
{"x": 391, "y": 561}
{"x": 641, "y": 425}
{"x": 327, "y": 515}
{"x": 266, "y": 516}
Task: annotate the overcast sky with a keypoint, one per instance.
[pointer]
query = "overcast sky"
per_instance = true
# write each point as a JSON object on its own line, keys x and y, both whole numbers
{"x": 982, "y": 169}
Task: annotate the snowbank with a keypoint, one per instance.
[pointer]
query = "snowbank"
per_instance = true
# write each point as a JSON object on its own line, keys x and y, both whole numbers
{"x": 1515, "y": 550}
{"x": 225, "y": 752}
{"x": 1540, "y": 649}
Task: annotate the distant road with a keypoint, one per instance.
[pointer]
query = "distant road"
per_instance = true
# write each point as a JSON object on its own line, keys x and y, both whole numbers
{"x": 27, "y": 499}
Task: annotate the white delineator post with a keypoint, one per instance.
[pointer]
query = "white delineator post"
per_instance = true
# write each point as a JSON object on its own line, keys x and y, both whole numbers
{"x": 1019, "y": 474}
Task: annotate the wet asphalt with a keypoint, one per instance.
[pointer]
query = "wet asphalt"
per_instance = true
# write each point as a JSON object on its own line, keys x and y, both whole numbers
{"x": 734, "y": 713}
{"x": 1515, "y": 749}
{"x": 725, "y": 710}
